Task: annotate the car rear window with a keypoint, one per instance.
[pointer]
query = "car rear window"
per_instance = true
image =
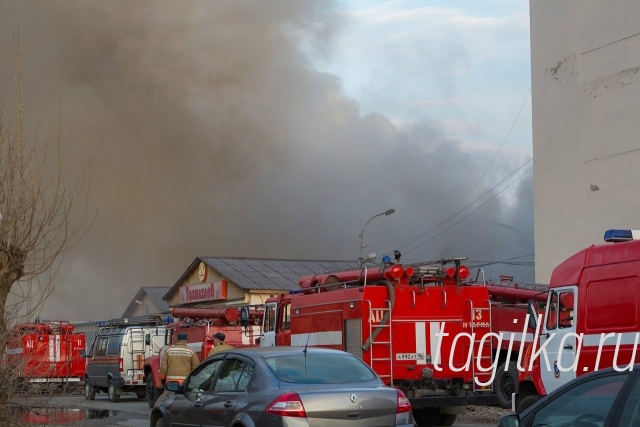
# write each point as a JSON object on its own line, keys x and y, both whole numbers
{"x": 314, "y": 368}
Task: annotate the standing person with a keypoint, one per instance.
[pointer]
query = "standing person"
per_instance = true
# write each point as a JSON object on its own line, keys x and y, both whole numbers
{"x": 178, "y": 361}
{"x": 219, "y": 344}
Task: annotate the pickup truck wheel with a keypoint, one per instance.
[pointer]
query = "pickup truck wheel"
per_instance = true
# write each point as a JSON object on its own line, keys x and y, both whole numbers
{"x": 89, "y": 391}
{"x": 161, "y": 423}
{"x": 114, "y": 393}
{"x": 152, "y": 392}
{"x": 505, "y": 384}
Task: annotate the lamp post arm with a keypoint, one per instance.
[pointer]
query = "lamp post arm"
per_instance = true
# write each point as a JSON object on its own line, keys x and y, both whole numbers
{"x": 361, "y": 235}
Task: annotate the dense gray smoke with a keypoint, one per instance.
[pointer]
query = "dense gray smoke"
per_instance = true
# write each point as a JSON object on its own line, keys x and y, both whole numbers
{"x": 210, "y": 134}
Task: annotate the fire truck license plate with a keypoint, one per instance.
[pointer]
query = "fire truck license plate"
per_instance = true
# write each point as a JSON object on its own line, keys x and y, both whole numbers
{"x": 413, "y": 356}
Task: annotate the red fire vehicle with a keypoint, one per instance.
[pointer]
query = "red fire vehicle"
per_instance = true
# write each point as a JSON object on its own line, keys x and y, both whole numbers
{"x": 592, "y": 318}
{"x": 241, "y": 327}
{"x": 420, "y": 327}
{"x": 46, "y": 353}
{"x": 513, "y": 335}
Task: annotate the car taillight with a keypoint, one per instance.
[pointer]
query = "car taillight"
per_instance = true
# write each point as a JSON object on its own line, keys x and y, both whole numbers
{"x": 403, "y": 403}
{"x": 287, "y": 405}
{"x": 121, "y": 365}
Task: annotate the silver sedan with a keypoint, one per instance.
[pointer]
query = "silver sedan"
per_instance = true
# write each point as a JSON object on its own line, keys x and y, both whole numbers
{"x": 282, "y": 386}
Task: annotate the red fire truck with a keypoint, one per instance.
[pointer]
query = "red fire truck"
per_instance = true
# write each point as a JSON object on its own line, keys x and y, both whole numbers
{"x": 241, "y": 327}
{"x": 46, "y": 353}
{"x": 592, "y": 318}
{"x": 509, "y": 322}
{"x": 421, "y": 327}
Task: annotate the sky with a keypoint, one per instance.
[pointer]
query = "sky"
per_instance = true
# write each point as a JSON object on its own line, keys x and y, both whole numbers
{"x": 277, "y": 130}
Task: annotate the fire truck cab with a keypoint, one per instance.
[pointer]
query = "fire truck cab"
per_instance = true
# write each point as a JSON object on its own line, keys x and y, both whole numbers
{"x": 509, "y": 323}
{"x": 115, "y": 363}
{"x": 592, "y": 317}
{"x": 420, "y": 327}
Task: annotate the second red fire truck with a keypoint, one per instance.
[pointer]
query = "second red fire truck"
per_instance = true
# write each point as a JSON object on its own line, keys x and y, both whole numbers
{"x": 46, "y": 354}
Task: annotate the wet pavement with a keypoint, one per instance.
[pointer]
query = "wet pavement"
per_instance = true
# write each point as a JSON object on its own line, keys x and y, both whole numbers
{"x": 74, "y": 410}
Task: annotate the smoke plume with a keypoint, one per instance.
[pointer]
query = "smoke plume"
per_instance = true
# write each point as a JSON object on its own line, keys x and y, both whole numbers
{"x": 210, "y": 133}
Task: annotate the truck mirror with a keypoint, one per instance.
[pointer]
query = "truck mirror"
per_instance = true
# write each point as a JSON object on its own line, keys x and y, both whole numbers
{"x": 533, "y": 311}
{"x": 244, "y": 316}
{"x": 147, "y": 339}
{"x": 83, "y": 353}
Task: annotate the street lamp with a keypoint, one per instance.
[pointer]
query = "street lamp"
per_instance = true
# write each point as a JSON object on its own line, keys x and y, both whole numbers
{"x": 361, "y": 235}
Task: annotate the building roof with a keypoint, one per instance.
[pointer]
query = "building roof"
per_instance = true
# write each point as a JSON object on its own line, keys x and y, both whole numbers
{"x": 265, "y": 273}
{"x": 154, "y": 294}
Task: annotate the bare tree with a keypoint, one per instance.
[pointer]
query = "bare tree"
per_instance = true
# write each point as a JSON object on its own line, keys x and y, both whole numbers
{"x": 36, "y": 206}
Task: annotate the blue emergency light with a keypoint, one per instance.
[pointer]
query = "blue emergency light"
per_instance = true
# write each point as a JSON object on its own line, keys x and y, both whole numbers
{"x": 615, "y": 235}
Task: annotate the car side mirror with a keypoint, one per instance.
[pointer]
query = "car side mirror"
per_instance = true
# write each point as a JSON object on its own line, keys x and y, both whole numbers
{"x": 173, "y": 386}
{"x": 510, "y": 420}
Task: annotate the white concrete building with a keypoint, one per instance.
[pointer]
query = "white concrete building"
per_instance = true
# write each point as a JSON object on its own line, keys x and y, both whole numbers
{"x": 585, "y": 59}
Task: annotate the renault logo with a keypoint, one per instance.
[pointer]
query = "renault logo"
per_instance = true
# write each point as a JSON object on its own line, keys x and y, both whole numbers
{"x": 354, "y": 398}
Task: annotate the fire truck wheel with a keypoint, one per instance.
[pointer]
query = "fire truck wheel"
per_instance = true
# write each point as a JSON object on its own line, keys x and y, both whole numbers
{"x": 152, "y": 392}
{"x": 447, "y": 419}
{"x": 427, "y": 417}
{"x": 89, "y": 391}
{"x": 505, "y": 384}
{"x": 114, "y": 393}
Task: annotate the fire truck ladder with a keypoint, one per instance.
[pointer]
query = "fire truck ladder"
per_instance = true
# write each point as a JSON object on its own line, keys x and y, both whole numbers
{"x": 137, "y": 352}
{"x": 137, "y": 340}
{"x": 386, "y": 347}
{"x": 481, "y": 351}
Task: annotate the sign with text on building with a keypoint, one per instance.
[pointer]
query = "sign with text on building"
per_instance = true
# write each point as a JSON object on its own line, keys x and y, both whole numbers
{"x": 204, "y": 292}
